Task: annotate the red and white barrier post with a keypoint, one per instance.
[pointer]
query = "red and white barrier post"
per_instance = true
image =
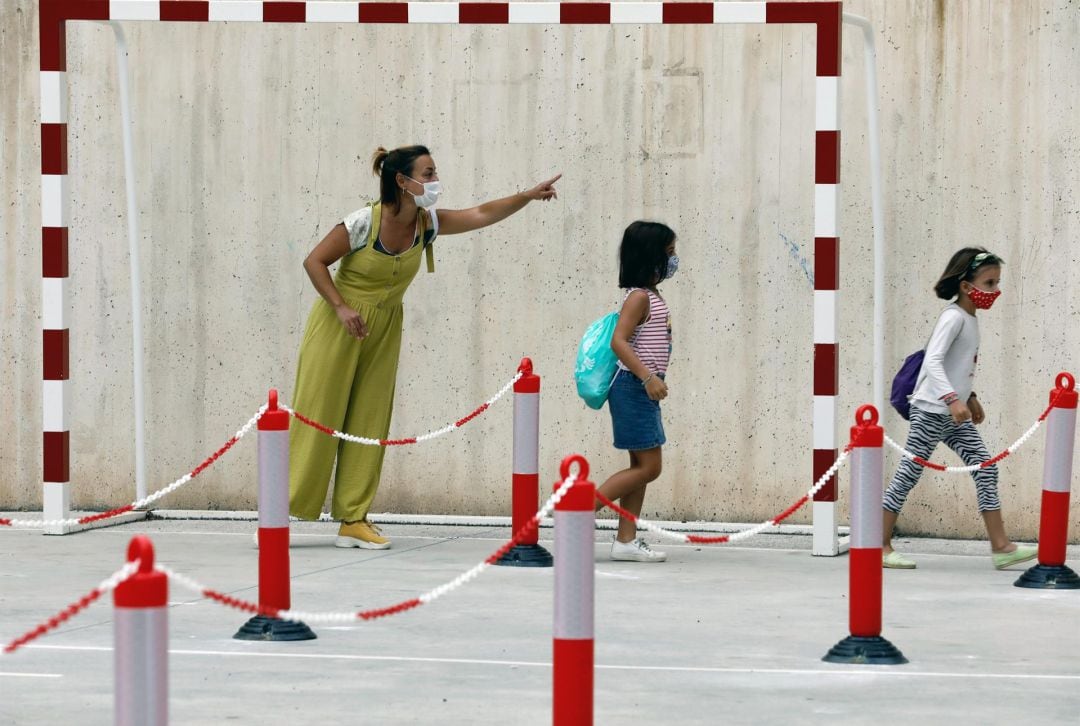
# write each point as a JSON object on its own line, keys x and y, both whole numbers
{"x": 526, "y": 480}
{"x": 865, "y": 644}
{"x": 575, "y": 525}
{"x": 1051, "y": 572}
{"x": 274, "y": 530}
{"x": 141, "y": 641}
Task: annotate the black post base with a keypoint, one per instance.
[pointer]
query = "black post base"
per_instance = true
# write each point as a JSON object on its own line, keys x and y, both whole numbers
{"x": 261, "y": 627}
{"x": 1049, "y": 577}
{"x": 526, "y": 556}
{"x": 872, "y": 651}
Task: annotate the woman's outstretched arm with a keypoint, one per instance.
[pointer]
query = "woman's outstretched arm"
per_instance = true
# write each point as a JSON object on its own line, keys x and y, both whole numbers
{"x": 456, "y": 221}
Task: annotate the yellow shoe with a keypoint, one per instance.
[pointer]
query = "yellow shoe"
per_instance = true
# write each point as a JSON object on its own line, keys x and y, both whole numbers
{"x": 362, "y": 534}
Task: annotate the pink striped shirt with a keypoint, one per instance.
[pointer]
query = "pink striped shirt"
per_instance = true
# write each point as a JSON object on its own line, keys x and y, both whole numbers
{"x": 651, "y": 340}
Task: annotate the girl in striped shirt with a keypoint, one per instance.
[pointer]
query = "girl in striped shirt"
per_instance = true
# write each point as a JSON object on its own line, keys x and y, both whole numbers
{"x": 642, "y": 342}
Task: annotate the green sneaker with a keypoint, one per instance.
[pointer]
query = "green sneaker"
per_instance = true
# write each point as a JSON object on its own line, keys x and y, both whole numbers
{"x": 896, "y": 561}
{"x": 1020, "y": 554}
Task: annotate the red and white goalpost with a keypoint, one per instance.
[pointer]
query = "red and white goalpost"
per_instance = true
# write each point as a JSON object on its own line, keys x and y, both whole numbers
{"x": 55, "y": 220}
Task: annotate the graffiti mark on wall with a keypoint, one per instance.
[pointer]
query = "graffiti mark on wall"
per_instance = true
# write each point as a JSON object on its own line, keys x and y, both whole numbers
{"x": 797, "y": 255}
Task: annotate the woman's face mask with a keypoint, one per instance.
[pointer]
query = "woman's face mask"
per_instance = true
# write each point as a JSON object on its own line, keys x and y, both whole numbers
{"x": 431, "y": 193}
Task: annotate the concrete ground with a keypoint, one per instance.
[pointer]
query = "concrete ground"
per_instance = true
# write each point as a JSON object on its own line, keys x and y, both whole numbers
{"x": 716, "y": 635}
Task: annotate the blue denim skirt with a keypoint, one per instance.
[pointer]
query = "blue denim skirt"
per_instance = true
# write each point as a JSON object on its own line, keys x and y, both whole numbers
{"x": 635, "y": 419}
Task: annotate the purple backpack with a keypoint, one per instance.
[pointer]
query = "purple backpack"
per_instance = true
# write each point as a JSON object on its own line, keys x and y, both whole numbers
{"x": 903, "y": 384}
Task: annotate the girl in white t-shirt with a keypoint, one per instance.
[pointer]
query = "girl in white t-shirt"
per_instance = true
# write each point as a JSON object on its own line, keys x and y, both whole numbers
{"x": 944, "y": 408}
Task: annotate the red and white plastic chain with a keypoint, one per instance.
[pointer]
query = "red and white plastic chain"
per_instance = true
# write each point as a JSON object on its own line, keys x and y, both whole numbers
{"x": 340, "y": 618}
{"x": 744, "y": 534}
{"x": 411, "y": 440}
{"x": 74, "y": 608}
{"x": 147, "y": 500}
{"x": 975, "y": 467}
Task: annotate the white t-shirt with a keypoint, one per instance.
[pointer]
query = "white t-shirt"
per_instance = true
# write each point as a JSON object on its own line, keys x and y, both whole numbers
{"x": 358, "y": 225}
{"x": 949, "y": 365}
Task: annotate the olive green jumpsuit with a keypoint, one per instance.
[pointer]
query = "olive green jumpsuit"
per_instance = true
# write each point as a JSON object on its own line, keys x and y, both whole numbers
{"x": 348, "y": 384}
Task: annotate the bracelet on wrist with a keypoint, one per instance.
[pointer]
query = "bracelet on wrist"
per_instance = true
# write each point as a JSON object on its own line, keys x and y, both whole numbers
{"x": 647, "y": 378}
{"x": 950, "y": 399}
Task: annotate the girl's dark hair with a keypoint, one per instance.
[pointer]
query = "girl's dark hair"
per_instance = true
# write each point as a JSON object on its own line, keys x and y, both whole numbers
{"x": 962, "y": 267}
{"x": 386, "y": 165}
{"x": 643, "y": 258}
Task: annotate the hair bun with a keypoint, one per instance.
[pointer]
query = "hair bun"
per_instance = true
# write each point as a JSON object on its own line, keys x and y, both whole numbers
{"x": 377, "y": 160}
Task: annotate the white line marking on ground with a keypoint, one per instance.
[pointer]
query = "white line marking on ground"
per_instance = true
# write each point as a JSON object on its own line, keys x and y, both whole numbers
{"x": 326, "y": 536}
{"x": 456, "y": 538}
{"x": 31, "y": 675}
{"x": 619, "y": 575}
{"x": 866, "y": 670}
{"x": 453, "y": 538}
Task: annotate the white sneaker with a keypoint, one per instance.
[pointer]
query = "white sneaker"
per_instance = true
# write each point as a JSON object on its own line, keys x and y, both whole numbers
{"x": 636, "y": 550}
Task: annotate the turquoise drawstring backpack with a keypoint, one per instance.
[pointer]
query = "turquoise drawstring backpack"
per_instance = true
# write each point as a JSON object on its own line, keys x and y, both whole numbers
{"x": 597, "y": 363}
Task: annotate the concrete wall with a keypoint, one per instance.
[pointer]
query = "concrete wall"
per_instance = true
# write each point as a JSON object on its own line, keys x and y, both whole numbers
{"x": 253, "y": 140}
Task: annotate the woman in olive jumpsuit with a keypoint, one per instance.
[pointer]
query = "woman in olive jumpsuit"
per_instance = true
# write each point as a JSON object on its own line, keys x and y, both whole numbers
{"x": 349, "y": 355}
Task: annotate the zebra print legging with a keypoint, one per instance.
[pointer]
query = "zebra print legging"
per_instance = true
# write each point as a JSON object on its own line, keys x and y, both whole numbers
{"x": 927, "y": 431}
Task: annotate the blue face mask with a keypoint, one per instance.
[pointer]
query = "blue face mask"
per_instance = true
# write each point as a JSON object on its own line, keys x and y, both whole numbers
{"x": 672, "y": 266}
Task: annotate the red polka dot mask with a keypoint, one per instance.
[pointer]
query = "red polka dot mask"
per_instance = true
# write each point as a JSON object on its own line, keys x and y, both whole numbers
{"x": 982, "y": 299}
